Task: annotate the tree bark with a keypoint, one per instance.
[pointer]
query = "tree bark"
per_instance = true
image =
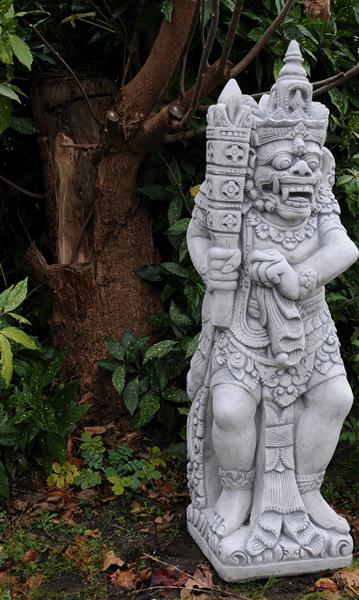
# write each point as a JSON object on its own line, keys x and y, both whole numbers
{"x": 98, "y": 231}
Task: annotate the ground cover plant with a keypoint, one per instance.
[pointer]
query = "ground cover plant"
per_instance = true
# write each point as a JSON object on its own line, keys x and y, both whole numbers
{"x": 99, "y": 511}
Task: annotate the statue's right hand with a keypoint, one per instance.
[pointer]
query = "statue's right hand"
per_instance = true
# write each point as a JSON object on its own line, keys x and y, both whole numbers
{"x": 223, "y": 268}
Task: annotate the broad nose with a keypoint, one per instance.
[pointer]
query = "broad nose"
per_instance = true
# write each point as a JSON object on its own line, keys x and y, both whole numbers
{"x": 301, "y": 168}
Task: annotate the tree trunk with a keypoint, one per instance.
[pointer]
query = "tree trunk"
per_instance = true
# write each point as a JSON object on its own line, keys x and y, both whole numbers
{"x": 98, "y": 231}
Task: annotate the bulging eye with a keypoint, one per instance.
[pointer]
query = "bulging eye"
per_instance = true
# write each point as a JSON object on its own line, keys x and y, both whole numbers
{"x": 313, "y": 164}
{"x": 282, "y": 162}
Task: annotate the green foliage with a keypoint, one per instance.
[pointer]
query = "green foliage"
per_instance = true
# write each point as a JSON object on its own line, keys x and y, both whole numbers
{"x": 92, "y": 450}
{"x": 87, "y": 478}
{"x": 146, "y": 375}
{"x": 12, "y": 45}
{"x": 125, "y": 472}
{"x": 37, "y": 410}
{"x": 10, "y": 336}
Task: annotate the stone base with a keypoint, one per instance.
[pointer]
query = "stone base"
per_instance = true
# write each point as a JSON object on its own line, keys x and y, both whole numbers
{"x": 232, "y": 573}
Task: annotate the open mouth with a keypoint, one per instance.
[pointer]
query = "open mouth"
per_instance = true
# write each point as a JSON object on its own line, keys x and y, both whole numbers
{"x": 293, "y": 193}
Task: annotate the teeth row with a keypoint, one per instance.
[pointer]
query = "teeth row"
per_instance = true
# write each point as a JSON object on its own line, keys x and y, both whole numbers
{"x": 296, "y": 204}
{"x": 300, "y": 188}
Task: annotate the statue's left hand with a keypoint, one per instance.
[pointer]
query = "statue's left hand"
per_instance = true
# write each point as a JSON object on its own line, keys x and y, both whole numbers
{"x": 270, "y": 267}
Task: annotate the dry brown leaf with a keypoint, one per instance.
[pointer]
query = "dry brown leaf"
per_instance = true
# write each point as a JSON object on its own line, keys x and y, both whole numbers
{"x": 35, "y": 581}
{"x": 96, "y": 429}
{"x": 111, "y": 559}
{"x": 324, "y": 583}
{"x": 348, "y": 577}
{"x": 125, "y": 579}
{"x": 30, "y": 556}
{"x": 201, "y": 578}
{"x": 86, "y": 494}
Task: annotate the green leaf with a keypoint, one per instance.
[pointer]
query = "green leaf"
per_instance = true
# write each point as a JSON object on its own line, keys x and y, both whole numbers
{"x": 5, "y": 113}
{"x": 175, "y": 209}
{"x": 149, "y": 407}
{"x": 8, "y": 92}
{"x": 13, "y": 296}
{"x": 4, "y": 482}
{"x": 23, "y": 125}
{"x": 150, "y": 273}
{"x": 176, "y": 395}
{"x": 109, "y": 365}
{"x": 159, "y": 350}
{"x": 21, "y": 50}
{"x": 19, "y": 318}
{"x": 118, "y": 378}
{"x": 175, "y": 269}
{"x": 5, "y": 50}
{"x": 178, "y": 317}
{"x": 115, "y": 348}
{"x": 6, "y": 359}
{"x": 339, "y": 99}
{"x": 131, "y": 395}
{"x": 180, "y": 226}
{"x": 192, "y": 346}
{"x": 166, "y": 9}
{"x": 19, "y": 336}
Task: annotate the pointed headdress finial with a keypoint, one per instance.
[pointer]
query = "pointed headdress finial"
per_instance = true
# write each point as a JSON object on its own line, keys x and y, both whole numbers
{"x": 289, "y": 107}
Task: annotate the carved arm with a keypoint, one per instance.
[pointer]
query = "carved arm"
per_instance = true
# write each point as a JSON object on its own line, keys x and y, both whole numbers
{"x": 336, "y": 255}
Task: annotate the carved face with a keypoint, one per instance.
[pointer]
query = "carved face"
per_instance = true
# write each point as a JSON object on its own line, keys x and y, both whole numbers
{"x": 286, "y": 177}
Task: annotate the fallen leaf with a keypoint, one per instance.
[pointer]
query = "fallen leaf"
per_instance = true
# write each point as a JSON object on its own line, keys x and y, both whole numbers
{"x": 35, "y": 581}
{"x": 136, "y": 507}
{"x": 31, "y": 556}
{"x": 86, "y": 494}
{"x": 347, "y": 577}
{"x": 111, "y": 559}
{"x": 124, "y": 579}
{"x": 201, "y": 578}
{"x": 324, "y": 583}
{"x": 96, "y": 429}
{"x": 165, "y": 577}
{"x": 92, "y": 533}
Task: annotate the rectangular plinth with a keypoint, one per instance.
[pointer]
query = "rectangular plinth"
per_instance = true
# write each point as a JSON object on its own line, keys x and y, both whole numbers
{"x": 299, "y": 567}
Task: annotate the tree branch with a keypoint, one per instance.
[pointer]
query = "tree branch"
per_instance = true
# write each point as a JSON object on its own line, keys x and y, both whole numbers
{"x": 340, "y": 79}
{"x": 253, "y": 53}
{"x": 203, "y": 65}
{"x": 20, "y": 189}
{"x": 143, "y": 93}
{"x": 228, "y": 42}
{"x": 184, "y": 135}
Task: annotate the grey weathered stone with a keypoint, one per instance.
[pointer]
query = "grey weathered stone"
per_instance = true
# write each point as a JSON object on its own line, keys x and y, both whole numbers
{"x": 268, "y": 384}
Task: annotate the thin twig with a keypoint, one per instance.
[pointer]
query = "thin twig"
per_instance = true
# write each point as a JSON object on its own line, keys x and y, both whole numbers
{"x": 166, "y": 564}
{"x": 182, "y": 76}
{"x": 253, "y": 53}
{"x": 228, "y": 42}
{"x": 184, "y": 135}
{"x": 353, "y": 72}
{"x": 203, "y": 63}
{"x": 68, "y": 68}
{"x": 20, "y": 189}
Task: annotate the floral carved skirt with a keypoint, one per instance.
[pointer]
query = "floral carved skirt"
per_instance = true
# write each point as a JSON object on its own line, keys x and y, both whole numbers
{"x": 237, "y": 364}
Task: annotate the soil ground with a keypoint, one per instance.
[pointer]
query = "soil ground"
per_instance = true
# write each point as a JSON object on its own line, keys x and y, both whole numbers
{"x": 90, "y": 545}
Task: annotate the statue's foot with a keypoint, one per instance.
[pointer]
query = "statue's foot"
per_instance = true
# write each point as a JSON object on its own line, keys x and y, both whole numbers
{"x": 322, "y": 514}
{"x": 231, "y": 511}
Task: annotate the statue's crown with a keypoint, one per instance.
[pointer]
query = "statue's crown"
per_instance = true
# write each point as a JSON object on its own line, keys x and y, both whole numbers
{"x": 288, "y": 110}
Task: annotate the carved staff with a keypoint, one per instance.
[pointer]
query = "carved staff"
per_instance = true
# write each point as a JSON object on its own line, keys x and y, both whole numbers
{"x": 228, "y": 137}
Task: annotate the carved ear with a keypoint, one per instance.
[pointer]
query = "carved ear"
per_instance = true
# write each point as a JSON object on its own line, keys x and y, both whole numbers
{"x": 328, "y": 168}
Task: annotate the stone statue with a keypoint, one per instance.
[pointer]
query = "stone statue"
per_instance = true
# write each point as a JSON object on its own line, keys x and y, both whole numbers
{"x": 267, "y": 381}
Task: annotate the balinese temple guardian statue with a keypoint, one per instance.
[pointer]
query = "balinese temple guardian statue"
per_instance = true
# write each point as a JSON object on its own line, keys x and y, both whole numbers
{"x": 268, "y": 384}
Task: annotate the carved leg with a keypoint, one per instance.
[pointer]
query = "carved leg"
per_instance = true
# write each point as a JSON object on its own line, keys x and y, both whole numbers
{"x": 326, "y": 407}
{"x": 234, "y": 440}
